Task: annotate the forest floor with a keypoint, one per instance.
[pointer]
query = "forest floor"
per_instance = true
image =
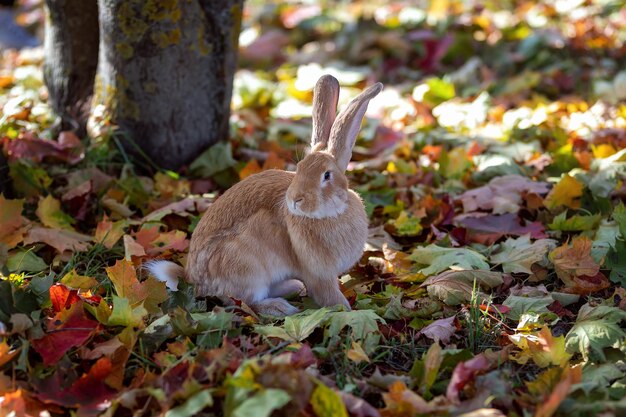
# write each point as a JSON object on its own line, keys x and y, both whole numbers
{"x": 493, "y": 283}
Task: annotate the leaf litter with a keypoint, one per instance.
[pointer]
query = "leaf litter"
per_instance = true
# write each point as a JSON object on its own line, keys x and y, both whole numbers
{"x": 492, "y": 168}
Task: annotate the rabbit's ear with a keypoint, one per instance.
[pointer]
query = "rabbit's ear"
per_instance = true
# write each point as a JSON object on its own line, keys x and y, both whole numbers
{"x": 346, "y": 128}
{"x": 325, "y": 97}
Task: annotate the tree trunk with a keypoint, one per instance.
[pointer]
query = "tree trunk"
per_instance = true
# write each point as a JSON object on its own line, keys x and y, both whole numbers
{"x": 5, "y": 179}
{"x": 71, "y": 58}
{"x": 165, "y": 73}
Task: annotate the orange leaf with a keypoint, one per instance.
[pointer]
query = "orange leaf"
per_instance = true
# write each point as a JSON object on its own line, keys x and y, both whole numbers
{"x": 11, "y": 221}
{"x": 576, "y": 268}
{"x": 273, "y": 161}
{"x": 108, "y": 232}
{"x": 251, "y": 168}
{"x": 569, "y": 377}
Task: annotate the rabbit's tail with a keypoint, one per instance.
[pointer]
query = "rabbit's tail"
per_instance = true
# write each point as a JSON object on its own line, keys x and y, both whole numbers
{"x": 167, "y": 272}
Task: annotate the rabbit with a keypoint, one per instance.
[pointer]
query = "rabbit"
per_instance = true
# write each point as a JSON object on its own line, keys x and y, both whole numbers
{"x": 277, "y": 231}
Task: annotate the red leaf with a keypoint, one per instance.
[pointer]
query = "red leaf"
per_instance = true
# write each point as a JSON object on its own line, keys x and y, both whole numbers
{"x": 490, "y": 228}
{"x": 466, "y": 372}
{"x": 62, "y": 297}
{"x": 89, "y": 393}
{"x": 28, "y": 146}
{"x": 67, "y": 329}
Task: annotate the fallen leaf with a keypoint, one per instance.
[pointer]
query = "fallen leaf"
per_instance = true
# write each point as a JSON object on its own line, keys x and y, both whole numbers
{"x": 50, "y": 213}
{"x": 11, "y": 222}
{"x": 576, "y": 267}
{"x": 61, "y": 240}
{"x": 465, "y": 372}
{"x": 108, "y": 232}
{"x": 67, "y": 329}
{"x": 567, "y": 192}
{"x": 518, "y": 255}
{"x": 456, "y": 287}
{"x": 570, "y": 376}
{"x": 440, "y": 330}
{"x": 502, "y": 194}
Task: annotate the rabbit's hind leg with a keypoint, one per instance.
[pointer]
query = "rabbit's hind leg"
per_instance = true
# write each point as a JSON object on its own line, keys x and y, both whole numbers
{"x": 278, "y": 307}
{"x": 286, "y": 288}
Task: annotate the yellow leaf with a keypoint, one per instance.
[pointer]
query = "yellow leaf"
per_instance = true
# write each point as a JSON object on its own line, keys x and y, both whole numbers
{"x": 603, "y": 151}
{"x": 543, "y": 348}
{"x": 50, "y": 213}
{"x": 327, "y": 403}
{"x": 357, "y": 354}
{"x": 169, "y": 187}
{"x": 73, "y": 280}
{"x": 566, "y": 193}
{"x": 6, "y": 354}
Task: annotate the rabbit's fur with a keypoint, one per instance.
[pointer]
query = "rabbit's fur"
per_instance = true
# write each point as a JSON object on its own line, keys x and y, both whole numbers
{"x": 277, "y": 230}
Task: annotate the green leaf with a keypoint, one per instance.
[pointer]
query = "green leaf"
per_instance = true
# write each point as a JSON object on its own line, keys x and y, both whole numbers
{"x": 616, "y": 261}
{"x": 456, "y": 287}
{"x": 619, "y": 215}
{"x": 407, "y": 225}
{"x": 518, "y": 255}
{"x": 215, "y": 159}
{"x": 575, "y": 223}
{"x": 124, "y": 315}
{"x": 193, "y": 405}
{"x": 590, "y": 337}
{"x": 301, "y": 325}
{"x": 523, "y": 305}
{"x": 262, "y": 403}
{"x": 327, "y": 403}
{"x": 439, "y": 259}
{"x": 28, "y": 180}
{"x": 596, "y": 328}
{"x": 362, "y": 322}
{"x": 25, "y": 261}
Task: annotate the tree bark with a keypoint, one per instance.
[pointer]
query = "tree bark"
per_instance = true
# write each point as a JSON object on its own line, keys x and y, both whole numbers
{"x": 165, "y": 74}
{"x": 5, "y": 179}
{"x": 71, "y": 59}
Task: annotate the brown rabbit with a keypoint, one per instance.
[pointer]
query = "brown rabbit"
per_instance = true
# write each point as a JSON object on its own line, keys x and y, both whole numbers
{"x": 277, "y": 230}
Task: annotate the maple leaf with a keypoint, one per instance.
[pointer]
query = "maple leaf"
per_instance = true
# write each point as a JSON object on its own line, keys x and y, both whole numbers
{"x": 518, "y": 255}
{"x": 567, "y": 192}
{"x": 569, "y": 377}
{"x": 132, "y": 248}
{"x": 576, "y": 267}
{"x": 439, "y": 259}
{"x": 61, "y": 240}
{"x": 89, "y": 393}
{"x": 465, "y": 372}
{"x": 488, "y": 229}
{"x": 67, "y": 329}
{"x": 456, "y": 287}
{"x": 150, "y": 292}
{"x": 62, "y": 297}
{"x": 73, "y": 280}
{"x": 108, "y": 232}
{"x": 440, "y": 330}
{"x": 155, "y": 243}
{"x": 50, "y": 213}
{"x": 68, "y": 148}
{"x": 11, "y": 222}
{"x": 502, "y": 194}
{"x": 543, "y": 348}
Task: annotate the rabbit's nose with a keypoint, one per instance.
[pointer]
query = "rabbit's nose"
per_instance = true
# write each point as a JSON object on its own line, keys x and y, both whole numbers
{"x": 296, "y": 201}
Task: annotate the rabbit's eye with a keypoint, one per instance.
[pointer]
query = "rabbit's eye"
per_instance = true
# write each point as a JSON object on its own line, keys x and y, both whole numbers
{"x": 327, "y": 176}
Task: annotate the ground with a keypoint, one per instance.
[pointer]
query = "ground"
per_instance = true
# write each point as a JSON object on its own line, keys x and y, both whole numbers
{"x": 492, "y": 167}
